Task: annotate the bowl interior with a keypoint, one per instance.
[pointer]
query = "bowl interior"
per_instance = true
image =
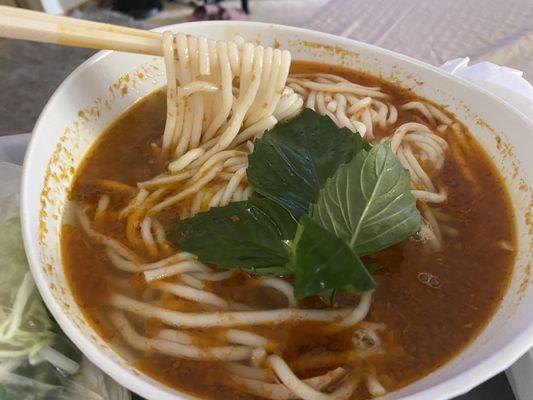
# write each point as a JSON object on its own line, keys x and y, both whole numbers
{"x": 108, "y": 83}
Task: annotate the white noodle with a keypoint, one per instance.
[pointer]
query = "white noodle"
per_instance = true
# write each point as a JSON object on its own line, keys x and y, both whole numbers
{"x": 103, "y": 203}
{"x": 173, "y": 335}
{"x": 276, "y": 391}
{"x": 215, "y": 200}
{"x": 146, "y": 234}
{"x": 217, "y": 276}
{"x": 135, "y": 202}
{"x": 185, "y": 160}
{"x": 343, "y": 87}
{"x": 245, "y": 371}
{"x": 259, "y": 356}
{"x": 162, "y": 180}
{"x": 374, "y": 386}
{"x": 422, "y": 108}
{"x": 174, "y": 269}
{"x": 430, "y": 197}
{"x": 246, "y": 338}
{"x": 439, "y": 115}
{"x": 190, "y": 293}
{"x": 181, "y": 256}
{"x": 359, "y": 312}
{"x": 118, "y": 247}
{"x": 224, "y": 319}
{"x": 159, "y": 231}
{"x": 208, "y": 177}
{"x": 282, "y": 286}
{"x": 168, "y": 51}
{"x": 300, "y": 388}
{"x": 124, "y": 264}
{"x": 195, "y": 87}
{"x": 192, "y": 281}
{"x": 345, "y": 391}
{"x": 232, "y": 186}
{"x": 175, "y": 349}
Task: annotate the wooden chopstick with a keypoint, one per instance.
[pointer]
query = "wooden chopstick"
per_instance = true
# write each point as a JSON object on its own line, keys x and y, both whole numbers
{"x": 17, "y": 23}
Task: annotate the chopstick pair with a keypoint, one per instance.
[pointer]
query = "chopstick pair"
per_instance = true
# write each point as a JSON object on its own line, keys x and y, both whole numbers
{"x": 18, "y": 23}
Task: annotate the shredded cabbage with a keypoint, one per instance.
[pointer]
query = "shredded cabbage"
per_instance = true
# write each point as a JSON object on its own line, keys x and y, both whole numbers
{"x": 37, "y": 361}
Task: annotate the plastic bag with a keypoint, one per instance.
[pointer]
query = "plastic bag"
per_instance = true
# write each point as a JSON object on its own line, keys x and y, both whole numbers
{"x": 506, "y": 83}
{"x": 37, "y": 361}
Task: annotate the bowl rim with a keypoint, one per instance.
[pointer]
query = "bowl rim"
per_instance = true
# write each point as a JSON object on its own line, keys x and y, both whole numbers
{"x": 498, "y": 361}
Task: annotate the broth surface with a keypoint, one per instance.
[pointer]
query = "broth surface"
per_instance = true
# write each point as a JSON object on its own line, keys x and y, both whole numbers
{"x": 426, "y": 325}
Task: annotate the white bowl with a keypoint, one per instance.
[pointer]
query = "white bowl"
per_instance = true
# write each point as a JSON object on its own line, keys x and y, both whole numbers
{"x": 103, "y": 87}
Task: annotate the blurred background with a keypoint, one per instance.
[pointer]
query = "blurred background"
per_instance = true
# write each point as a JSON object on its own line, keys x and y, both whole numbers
{"x": 429, "y": 30}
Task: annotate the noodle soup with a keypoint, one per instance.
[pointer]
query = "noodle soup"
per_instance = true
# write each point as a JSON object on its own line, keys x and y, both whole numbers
{"x": 215, "y": 331}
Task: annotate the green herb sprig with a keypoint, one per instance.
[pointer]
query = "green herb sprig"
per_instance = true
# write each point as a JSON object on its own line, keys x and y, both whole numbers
{"x": 329, "y": 198}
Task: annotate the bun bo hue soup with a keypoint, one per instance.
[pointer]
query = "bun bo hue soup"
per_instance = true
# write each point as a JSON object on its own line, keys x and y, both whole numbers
{"x": 272, "y": 229}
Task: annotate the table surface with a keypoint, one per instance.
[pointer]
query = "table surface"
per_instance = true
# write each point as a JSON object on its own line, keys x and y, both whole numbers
{"x": 433, "y": 31}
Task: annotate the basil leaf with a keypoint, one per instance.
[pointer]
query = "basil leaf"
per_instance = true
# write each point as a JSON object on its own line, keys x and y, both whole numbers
{"x": 328, "y": 296}
{"x": 368, "y": 202}
{"x": 322, "y": 262}
{"x": 360, "y": 144}
{"x": 291, "y": 162}
{"x": 275, "y": 271}
{"x": 250, "y": 235}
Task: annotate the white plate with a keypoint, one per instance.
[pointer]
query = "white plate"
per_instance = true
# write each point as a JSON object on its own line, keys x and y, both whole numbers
{"x": 99, "y": 88}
